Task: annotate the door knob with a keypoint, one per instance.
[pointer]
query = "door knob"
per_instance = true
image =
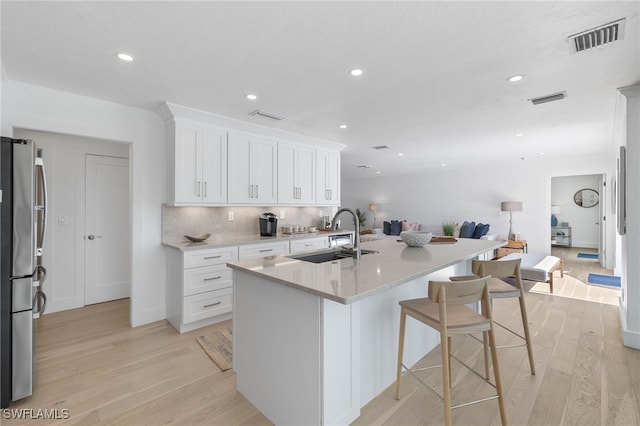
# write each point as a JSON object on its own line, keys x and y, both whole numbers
{"x": 91, "y": 237}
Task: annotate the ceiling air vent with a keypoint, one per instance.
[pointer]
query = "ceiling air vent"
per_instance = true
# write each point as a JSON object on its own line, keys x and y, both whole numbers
{"x": 597, "y": 37}
{"x": 266, "y": 115}
{"x": 381, "y": 147}
{"x": 548, "y": 98}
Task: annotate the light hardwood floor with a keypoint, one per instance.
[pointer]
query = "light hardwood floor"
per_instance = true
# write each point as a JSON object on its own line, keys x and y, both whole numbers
{"x": 92, "y": 363}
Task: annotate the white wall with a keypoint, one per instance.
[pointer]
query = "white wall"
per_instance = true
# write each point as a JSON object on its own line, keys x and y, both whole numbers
{"x": 474, "y": 193}
{"x": 583, "y": 221}
{"x": 64, "y": 159}
{"x": 25, "y": 106}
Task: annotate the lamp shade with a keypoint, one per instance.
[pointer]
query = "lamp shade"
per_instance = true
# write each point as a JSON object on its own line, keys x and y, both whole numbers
{"x": 511, "y": 206}
{"x": 373, "y": 207}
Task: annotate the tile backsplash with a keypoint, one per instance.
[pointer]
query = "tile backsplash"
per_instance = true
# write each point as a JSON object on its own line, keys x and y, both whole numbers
{"x": 180, "y": 221}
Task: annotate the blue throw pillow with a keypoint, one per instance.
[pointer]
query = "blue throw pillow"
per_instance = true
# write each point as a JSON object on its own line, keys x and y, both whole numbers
{"x": 481, "y": 230}
{"x": 396, "y": 227}
{"x": 467, "y": 229}
{"x": 386, "y": 228}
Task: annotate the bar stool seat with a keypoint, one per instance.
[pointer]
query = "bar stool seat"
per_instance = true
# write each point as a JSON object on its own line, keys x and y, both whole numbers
{"x": 445, "y": 311}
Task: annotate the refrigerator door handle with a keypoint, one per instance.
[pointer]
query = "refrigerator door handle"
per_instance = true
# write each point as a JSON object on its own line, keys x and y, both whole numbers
{"x": 39, "y": 303}
{"x": 43, "y": 206}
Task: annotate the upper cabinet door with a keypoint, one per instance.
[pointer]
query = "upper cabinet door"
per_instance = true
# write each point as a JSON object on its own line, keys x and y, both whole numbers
{"x": 296, "y": 174}
{"x": 187, "y": 147}
{"x": 306, "y": 175}
{"x": 328, "y": 178}
{"x": 214, "y": 166}
{"x": 252, "y": 170}
{"x": 199, "y": 169}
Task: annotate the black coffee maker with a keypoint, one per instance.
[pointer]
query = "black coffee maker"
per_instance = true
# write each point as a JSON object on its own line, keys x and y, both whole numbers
{"x": 268, "y": 225}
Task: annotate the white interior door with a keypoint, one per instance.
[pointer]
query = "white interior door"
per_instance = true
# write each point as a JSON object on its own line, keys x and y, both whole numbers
{"x": 107, "y": 254}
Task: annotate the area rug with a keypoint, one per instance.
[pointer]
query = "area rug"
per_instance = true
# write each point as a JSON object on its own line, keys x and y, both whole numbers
{"x": 218, "y": 345}
{"x": 609, "y": 280}
{"x": 588, "y": 255}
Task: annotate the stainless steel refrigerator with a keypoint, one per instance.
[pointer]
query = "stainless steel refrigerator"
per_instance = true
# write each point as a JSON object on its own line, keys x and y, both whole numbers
{"x": 23, "y": 219}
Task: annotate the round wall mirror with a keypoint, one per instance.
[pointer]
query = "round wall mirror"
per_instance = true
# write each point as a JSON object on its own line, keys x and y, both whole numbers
{"x": 586, "y": 198}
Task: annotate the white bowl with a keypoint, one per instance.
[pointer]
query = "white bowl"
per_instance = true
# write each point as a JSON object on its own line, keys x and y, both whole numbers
{"x": 415, "y": 238}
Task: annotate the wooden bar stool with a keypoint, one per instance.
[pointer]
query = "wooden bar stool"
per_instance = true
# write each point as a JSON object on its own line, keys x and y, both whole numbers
{"x": 499, "y": 289}
{"x": 445, "y": 311}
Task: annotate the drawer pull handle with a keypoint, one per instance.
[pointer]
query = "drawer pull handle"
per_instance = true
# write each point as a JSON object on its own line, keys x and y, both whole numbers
{"x": 265, "y": 250}
{"x": 212, "y": 304}
{"x": 212, "y": 257}
{"x": 213, "y": 278}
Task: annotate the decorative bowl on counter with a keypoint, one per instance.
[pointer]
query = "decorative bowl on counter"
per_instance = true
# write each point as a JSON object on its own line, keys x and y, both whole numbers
{"x": 197, "y": 238}
{"x": 415, "y": 238}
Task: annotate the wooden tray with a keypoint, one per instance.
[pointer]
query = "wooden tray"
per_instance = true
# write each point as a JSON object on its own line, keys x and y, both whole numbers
{"x": 443, "y": 240}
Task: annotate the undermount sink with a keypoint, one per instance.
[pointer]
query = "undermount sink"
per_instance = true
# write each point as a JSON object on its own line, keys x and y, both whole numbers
{"x": 328, "y": 256}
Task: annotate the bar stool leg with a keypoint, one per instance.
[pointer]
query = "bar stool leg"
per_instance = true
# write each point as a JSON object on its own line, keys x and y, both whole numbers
{"x": 446, "y": 377}
{"x": 527, "y": 335}
{"x": 496, "y": 373}
{"x": 403, "y": 321}
{"x": 450, "y": 351}
{"x": 485, "y": 347}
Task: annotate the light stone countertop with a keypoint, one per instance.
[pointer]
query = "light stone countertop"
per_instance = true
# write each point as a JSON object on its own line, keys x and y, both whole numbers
{"x": 349, "y": 280}
{"x": 216, "y": 241}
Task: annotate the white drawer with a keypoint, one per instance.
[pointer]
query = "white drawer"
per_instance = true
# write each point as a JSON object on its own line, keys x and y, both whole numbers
{"x": 206, "y": 305}
{"x": 264, "y": 249}
{"x": 309, "y": 244}
{"x": 207, "y": 257}
{"x": 207, "y": 278}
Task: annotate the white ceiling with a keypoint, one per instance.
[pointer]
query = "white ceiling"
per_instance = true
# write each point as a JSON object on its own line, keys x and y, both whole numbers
{"x": 435, "y": 73}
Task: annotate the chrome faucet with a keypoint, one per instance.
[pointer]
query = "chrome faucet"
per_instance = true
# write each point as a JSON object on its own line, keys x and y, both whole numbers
{"x": 356, "y": 239}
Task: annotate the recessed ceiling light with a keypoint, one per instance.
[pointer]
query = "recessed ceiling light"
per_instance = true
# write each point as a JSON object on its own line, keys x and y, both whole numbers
{"x": 541, "y": 153}
{"x": 519, "y": 134}
{"x": 251, "y": 96}
{"x": 515, "y": 78}
{"x": 400, "y": 154}
{"x": 125, "y": 57}
{"x": 443, "y": 165}
{"x": 378, "y": 172}
{"x": 343, "y": 126}
{"x": 356, "y": 72}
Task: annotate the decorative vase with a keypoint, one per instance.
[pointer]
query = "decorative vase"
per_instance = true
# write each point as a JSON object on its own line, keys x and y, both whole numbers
{"x": 554, "y": 220}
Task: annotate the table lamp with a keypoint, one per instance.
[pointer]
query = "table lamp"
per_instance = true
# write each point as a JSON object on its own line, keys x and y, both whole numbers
{"x": 510, "y": 206}
{"x": 373, "y": 207}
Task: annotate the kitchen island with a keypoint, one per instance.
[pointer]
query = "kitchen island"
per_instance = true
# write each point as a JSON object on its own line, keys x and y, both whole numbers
{"x": 313, "y": 343}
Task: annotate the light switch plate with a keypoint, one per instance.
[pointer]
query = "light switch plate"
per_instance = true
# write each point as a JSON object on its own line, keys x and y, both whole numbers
{"x": 230, "y": 216}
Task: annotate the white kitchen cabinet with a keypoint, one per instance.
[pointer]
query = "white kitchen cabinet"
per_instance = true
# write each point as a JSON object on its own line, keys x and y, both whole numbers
{"x": 328, "y": 178}
{"x": 197, "y": 164}
{"x": 308, "y": 244}
{"x": 199, "y": 287}
{"x": 296, "y": 174}
{"x": 271, "y": 248}
{"x": 252, "y": 166}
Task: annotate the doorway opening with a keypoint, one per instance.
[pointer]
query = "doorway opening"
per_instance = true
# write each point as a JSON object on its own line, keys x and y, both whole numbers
{"x": 579, "y": 228}
{"x": 87, "y": 177}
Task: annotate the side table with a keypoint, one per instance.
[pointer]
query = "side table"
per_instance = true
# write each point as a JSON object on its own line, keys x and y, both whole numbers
{"x": 512, "y": 247}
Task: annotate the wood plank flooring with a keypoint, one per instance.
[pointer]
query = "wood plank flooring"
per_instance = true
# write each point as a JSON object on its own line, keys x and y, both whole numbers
{"x": 92, "y": 363}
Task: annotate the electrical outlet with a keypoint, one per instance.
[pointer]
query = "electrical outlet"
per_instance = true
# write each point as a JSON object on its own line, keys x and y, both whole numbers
{"x": 230, "y": 216}
{"x": 282, "y": 214}
{"x": 320, "y": 213}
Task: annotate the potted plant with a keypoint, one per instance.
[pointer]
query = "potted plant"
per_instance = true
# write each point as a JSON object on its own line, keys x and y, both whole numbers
{"x": 448, "y": 228}
{"x": 362, "y": 218}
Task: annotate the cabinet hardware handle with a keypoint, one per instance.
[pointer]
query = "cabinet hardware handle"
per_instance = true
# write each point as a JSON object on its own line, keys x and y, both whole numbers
{"x": 213, "y": 278}
{"x": 257, "y": 193}
{"x": 250, "y": 191}
{"x": 295, "y": 192}
{"x": 205, "y": 189}
{"x": 212, "y": 257}
{"x": 265, "y": 250}
{"x": 198, "y": 186}
{"x": 211, "y": 304}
